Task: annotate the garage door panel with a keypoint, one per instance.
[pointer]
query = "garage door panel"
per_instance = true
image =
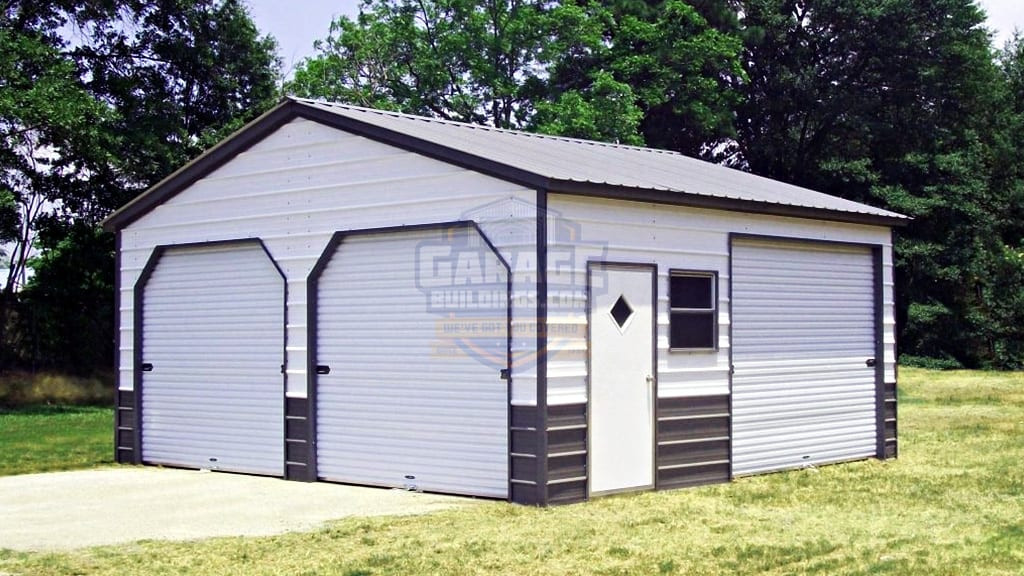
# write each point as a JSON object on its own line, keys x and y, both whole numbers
{"x": 803, "y": 326}
{"x": 213, "y": 330}
{"x": 405, "y": 404}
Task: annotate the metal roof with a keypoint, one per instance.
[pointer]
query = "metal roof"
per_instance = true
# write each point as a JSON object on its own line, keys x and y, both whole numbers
{"x": 552, "y": 163}
{"x": 574, "y": 160}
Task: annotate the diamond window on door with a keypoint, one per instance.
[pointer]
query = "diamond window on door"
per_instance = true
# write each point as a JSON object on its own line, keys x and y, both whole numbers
{"x": 621, "y": 311}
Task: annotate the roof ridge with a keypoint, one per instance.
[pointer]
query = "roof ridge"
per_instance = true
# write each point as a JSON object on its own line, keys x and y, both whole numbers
{"x": 482, "y": 127}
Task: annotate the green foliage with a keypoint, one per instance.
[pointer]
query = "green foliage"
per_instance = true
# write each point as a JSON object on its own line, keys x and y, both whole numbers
{"x": 900, "y": 104}
{"x": 604, "y": 110}
{"x": 456, "y": 59}
{"x": 9, "y": 218}
{"x": 25, "y": 390}
{"x": 570, "y": 68}
{"x": 99, "y": 101}
{"x": 180, "y": 75}
{"x": 897, "y": 104}
{"x": 67, "y": 312}
{"x": 929, "y": 363}
{"x": 681, "y": 68}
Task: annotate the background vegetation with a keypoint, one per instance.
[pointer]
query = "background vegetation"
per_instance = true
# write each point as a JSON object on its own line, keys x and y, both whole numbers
{"x": 903, "y": 104}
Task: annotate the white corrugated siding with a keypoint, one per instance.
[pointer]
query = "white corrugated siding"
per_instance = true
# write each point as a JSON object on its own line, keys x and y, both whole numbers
{"x": 305, "y": 181}
{"x": 672, "y": 237}
{"x": 803, "y": 328}
{"x": 213, "y": 329}
{"x": 401, "y": 405}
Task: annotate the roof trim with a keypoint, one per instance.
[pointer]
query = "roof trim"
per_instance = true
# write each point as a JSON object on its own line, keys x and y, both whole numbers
{"x": 672, "y": 198}
{"x": 290, "y": 109}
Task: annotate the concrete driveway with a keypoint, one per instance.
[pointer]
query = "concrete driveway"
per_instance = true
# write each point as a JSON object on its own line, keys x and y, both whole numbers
{"x": 66, "y": 510}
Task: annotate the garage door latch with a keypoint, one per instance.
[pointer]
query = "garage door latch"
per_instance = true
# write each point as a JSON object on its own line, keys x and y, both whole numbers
{"x": 146, "y": 367}
{"x": 505, "y": 374}
{"x": 323, "y": 369}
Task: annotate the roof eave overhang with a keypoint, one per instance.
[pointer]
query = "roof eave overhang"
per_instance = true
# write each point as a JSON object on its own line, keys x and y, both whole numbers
{"x": 674, "y": 198}
{"x": 289, "y": 110}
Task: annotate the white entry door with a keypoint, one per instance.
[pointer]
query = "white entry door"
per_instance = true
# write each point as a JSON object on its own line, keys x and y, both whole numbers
{"x": 622, "y": 393}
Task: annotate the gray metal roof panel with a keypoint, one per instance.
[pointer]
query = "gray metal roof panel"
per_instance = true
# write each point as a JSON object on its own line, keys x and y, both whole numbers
{"x": 582, "y": 161}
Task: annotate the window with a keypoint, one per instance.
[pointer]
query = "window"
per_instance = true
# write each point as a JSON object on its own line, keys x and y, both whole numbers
{"x": 621, "y": 311}
{"x": 693, "y": 315}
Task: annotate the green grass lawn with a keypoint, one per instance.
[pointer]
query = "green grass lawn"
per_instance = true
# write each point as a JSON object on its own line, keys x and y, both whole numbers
{"x": 952, "y": 504}
{"x": 47, "y": 438}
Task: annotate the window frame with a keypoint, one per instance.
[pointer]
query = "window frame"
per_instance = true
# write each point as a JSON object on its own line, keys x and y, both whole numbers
{"x": 712, "y": 276}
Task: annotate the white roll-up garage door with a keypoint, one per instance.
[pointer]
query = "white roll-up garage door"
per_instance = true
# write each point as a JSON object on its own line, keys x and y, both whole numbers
{"x": 212, "y": 348}
{"x": 413, "y": 328}
{"x": 803, "y": 329}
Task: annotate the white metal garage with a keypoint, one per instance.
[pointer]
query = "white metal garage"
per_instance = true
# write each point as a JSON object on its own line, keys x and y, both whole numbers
{"x": 434, "y": 284}
{"x": 804, "y": 333}
{"x": 212, "y": 325}
{"x": 435, "y": 416}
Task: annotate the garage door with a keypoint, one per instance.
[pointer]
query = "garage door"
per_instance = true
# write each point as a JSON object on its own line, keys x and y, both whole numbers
{"x": 212, "y": 348}
{"x": 412, "y": 327}
{"x": 803, "y": 331}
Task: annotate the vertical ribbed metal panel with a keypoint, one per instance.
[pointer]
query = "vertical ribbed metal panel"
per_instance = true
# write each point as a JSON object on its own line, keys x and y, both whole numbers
{"x": 401, "y": 406}
{"x": 213, "y": 325}
{"x": 803, "y": 328}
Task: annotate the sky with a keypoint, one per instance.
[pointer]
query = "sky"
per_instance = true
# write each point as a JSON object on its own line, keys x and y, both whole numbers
{"x": 298, "y": 23}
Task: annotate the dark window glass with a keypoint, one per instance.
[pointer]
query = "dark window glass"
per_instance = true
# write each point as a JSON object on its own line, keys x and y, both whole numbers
{"x": 691, "y": 292}
{"x": 692, "y": 330}
{"x": 621, "y": 311}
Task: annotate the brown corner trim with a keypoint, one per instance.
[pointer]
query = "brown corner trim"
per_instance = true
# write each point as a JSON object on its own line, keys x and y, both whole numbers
{"x": 890, "y": 423}
{"x": 568, "y": 453}
{"x": 694, "y": 441}
{"x": 296, "y": 440}
{"x": 125, "y": 448}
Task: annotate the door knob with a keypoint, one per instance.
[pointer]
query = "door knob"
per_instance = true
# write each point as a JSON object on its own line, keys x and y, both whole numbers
{"x": 650, "y": 379}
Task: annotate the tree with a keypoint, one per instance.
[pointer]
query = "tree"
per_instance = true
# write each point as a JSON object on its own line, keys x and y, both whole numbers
{"x": 678, "y": 66}
{"x": 626, "y": 74}
{"x": 180, "y": 74}
{"x": 462, "y": 60}
{"x": 894, "y": 103}
{"x": 67, "y": 308}
{"x": 100, "y": 100}
{"x": 48, "y": 137}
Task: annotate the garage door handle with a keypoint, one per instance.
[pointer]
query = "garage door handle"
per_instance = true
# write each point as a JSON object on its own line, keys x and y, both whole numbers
{"x": 323, "y": 369}
{"x": 146, "y": 367}
{"x": 870, "y": 362}
{"x": 505, "y": 374}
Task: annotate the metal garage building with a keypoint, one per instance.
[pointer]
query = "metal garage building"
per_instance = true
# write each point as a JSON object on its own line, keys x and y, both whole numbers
{"x": 359, "y": 296}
